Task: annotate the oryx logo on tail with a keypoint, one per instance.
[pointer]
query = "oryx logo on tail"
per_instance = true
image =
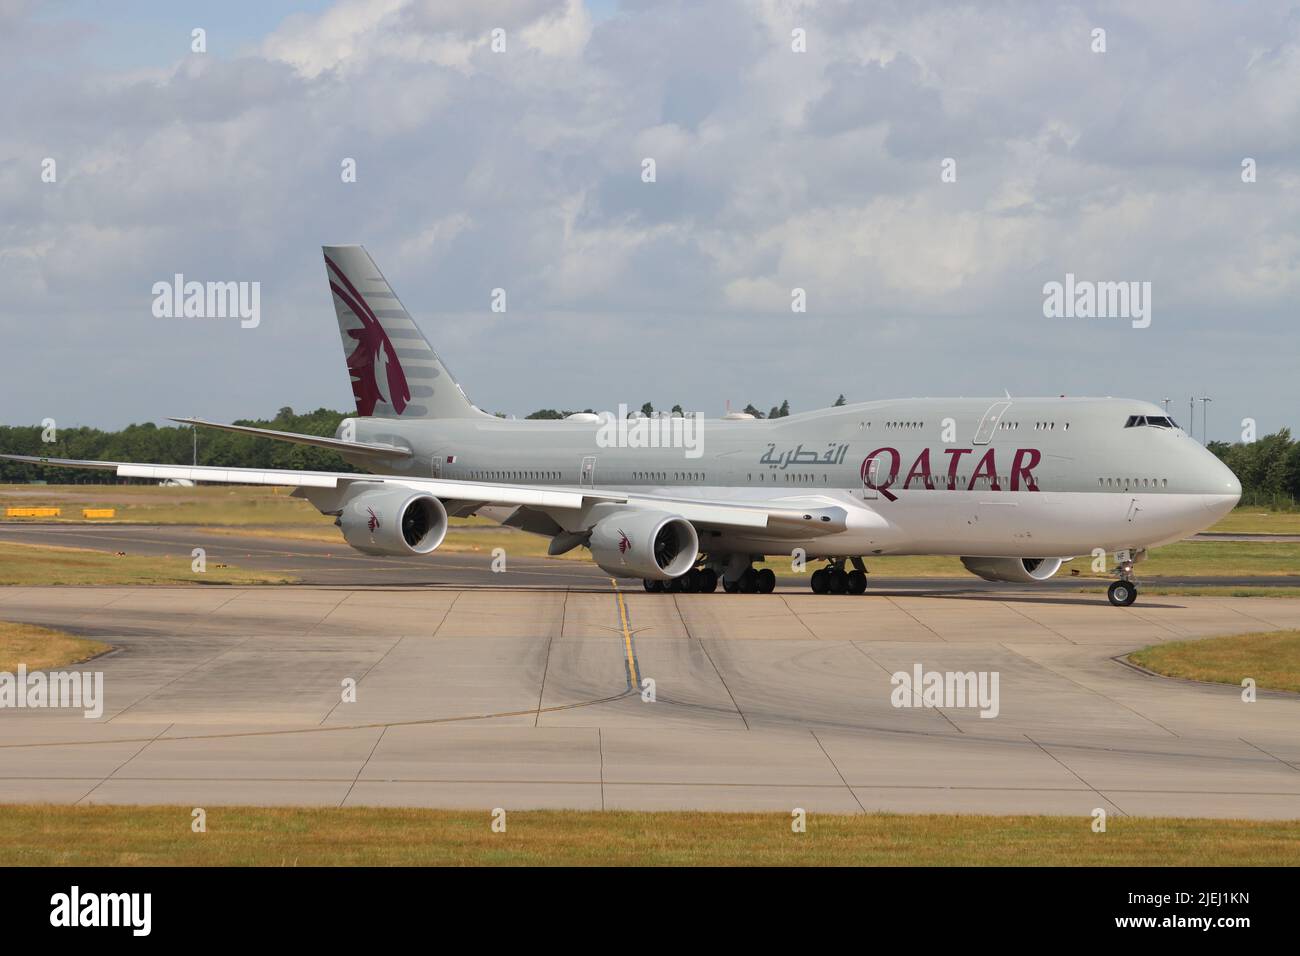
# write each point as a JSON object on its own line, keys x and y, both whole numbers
{"x": 374, "y": 352}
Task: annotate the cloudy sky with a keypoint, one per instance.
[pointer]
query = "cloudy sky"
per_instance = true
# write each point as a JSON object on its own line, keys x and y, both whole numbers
{"x": 775, "y": 170}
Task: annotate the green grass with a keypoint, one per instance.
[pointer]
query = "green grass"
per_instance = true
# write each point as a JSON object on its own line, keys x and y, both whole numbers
{"x": 43, "y": 835}
{"x": 1250, "y": 520}
{"x": 42, "y": 648}
{"x": 252, "y": 511}
{"x": 1270, "y": 658}
{"x": 32, "y": 565}
{"x": 1228, "y": 558}
{"x": 152, "y": 504}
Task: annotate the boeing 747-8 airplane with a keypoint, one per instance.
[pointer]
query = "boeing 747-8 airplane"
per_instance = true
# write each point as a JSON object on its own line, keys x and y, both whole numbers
{"x": 1012, "y": 486}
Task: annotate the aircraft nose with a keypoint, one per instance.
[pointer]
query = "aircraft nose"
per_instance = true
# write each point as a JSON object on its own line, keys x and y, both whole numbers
{"x": 1219, "y": 486}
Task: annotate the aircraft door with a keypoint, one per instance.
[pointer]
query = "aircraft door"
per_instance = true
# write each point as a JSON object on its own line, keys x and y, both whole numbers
{"x": 989, "y": 423}
{"x": 587, "y": 474}
{"x": 435, "y": 467}
{"x": 870, "y": 473}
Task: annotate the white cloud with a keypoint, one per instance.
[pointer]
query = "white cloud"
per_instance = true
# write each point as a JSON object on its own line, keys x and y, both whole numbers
{"x": 775, "y": 169}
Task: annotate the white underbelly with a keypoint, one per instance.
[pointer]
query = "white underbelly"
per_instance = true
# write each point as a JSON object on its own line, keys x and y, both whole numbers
{"x": 1031, "y": 524}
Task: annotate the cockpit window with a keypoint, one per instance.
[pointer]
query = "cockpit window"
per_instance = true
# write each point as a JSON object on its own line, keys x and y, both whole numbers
{"x": 1155, "y": 421}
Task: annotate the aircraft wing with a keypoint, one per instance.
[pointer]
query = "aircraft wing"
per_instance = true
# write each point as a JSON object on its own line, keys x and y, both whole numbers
{"x": 807, "y": 517}
{"x": 452, "y": 490}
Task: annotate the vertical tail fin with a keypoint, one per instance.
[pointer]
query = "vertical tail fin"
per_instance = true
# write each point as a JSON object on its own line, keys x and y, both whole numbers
{"x": 395, "y": 371}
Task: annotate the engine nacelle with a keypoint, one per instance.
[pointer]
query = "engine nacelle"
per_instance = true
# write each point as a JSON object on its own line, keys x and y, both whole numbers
{"x": 1017, "y": 570}
{"x": 651, "y": 545}
{"x": 396, "y": 521}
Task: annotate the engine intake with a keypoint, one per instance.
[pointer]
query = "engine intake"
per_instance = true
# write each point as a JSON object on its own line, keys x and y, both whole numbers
{"x": 652, "y": 545}
{"x": 396, "y": 521}
{"x": 1016, "y": 570}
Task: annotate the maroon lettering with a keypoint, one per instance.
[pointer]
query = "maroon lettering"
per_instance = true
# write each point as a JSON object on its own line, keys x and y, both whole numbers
{"x": 887, "y": 461}
{"x": 891, "y": 473}
{"x": 952, "y": 465}
{"x": 920, "y": 469}
{"x": 1020, "y": 468}
{"x": 985, "y": 469}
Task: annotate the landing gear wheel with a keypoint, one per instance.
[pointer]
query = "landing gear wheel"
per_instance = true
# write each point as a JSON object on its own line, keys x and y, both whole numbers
{"x": 749, "y": 582}
{"x": 766, "y": 581}
{"x": 1122, "y": 593}
{"x": 708, "y": 582}
{"x": 856, "y": 583}
{"x": 676, "y": 585}
{"x": 838, "y": 581}
{"x": 731, "y": 587}
{"x": 820, "y": 584}
{"x": 692, "y": 580}
{"x": 653, "y": 586}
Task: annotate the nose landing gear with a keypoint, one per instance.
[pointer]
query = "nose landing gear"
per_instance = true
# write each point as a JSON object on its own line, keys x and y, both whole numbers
{"x": 1124, "y": 591}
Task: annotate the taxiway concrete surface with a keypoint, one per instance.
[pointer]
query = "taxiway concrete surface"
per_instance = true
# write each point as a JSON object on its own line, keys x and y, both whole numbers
{"x": 530, "y": 697}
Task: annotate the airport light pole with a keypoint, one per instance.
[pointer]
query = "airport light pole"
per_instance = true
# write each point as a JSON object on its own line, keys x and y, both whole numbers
{"x": 1191, "y": 414}
{"x": 1166, "y": 408}
{"x": 1205, "y": 402}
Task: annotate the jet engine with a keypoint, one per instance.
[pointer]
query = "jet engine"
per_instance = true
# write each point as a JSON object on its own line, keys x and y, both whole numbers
{"x": 651, "y": 545}
{"x": 395, "y": 521}
{"x": 1017, "y": 570}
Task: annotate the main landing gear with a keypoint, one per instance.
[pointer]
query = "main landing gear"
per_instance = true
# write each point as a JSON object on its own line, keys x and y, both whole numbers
{"x": 694, "y": 581}
{"x": 752, "y": 582}
{"x": 705, "y": 581}
{"x": 741, "y": 577}
{"x": 1124, "y": 591}
{"x": 833, "y": 579}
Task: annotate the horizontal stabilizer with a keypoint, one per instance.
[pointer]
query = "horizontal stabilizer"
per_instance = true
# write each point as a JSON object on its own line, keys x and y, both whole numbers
{"x": 241, "y": 476}
{"x": 334, "y": 444}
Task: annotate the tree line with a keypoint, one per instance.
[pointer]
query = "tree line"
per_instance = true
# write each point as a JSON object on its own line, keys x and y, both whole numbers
{"x": 170, "y": 445}
{"x": 648, "y": 410}
{"x": 1268, "y": 468}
